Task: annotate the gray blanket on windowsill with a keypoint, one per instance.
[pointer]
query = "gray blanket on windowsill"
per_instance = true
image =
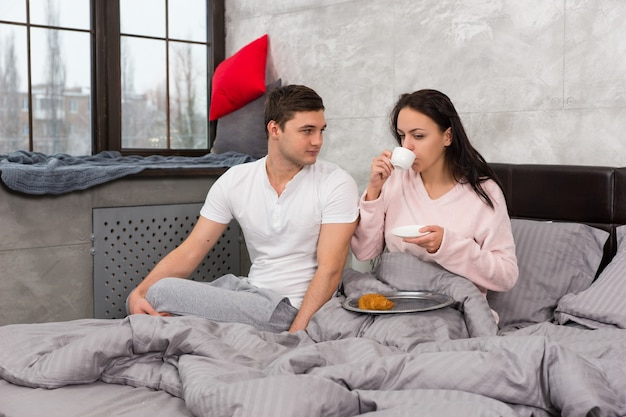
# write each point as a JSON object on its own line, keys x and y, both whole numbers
{"x": 37, "y": 173}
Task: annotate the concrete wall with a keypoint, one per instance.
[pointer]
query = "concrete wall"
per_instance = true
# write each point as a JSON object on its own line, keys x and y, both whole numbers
{"x": 46, "y": 267}
{"x": 535, "y": 81}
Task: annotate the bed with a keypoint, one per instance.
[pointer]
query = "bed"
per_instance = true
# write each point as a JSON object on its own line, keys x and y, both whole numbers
{"x": 558, "y": 350}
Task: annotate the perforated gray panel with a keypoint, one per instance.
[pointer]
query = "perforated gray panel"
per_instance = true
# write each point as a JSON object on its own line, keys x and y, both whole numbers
{"x": 129, "y": 241}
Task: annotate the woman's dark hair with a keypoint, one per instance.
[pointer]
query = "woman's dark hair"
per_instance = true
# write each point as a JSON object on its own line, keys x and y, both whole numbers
{"x": 466, "y": 163}
{"x": 282, "y": 103}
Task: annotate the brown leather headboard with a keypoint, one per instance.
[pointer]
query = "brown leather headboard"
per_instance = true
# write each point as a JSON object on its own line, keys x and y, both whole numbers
{"x": 594, "y": 195}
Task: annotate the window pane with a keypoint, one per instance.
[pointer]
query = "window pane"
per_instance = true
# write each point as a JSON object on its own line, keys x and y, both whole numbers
{"x": 13, "y": 89}
{"x": 188, "y": 96}
{"x": 61, "y": 13}
{"x": 143, "y": 17}
{"x": 187, "y": 20}
{"x": 13, "y": 11}
{"x": 60, "y": 75}
{"x": 144, "y": 105}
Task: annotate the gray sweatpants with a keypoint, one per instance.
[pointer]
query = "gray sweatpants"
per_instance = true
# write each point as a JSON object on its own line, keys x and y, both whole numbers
{"x": 227, "y": 299}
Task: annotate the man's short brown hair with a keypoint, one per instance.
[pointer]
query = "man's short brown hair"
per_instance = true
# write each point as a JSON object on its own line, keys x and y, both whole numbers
{"x": 282, "y": 103}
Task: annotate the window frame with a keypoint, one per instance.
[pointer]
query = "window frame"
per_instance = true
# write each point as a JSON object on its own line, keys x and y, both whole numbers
{"x": 106, "y": 77}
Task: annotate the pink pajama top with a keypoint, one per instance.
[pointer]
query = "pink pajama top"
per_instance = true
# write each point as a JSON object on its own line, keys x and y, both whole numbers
{"x": 477, "y": 240}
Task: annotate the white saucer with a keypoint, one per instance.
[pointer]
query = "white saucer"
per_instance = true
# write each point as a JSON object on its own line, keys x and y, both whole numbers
{"x": 411, "y": 230}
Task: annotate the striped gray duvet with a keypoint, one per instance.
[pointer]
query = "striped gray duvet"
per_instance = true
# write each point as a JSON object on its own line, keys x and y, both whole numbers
{"x": 447, "y": 362}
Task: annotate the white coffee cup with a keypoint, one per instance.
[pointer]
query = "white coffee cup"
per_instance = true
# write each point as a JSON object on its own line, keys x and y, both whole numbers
{"x": 402, "y": 158}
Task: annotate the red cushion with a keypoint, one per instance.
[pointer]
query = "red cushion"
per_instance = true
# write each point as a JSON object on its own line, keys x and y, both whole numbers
{"x": 239, "y": 79}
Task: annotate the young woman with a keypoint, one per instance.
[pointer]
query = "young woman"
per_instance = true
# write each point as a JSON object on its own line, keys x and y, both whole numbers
{"x": 449, "y": 190}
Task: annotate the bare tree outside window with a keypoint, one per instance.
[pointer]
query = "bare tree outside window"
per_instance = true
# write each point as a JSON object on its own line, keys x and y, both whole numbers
{"x": 188, "y": 114}
{"x": 10, "y": 96}
{"x": 144, "y": 105}
{"x": 54, "y": 135}
{"x": 165, "y": 93}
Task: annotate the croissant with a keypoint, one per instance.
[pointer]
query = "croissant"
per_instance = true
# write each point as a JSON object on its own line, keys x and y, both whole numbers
{"x": 375, "y": 302}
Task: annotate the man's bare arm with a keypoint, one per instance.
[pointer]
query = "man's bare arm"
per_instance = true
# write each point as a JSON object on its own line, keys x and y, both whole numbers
{"x": 332, "y": 250}
{"x": 179, "y": 263}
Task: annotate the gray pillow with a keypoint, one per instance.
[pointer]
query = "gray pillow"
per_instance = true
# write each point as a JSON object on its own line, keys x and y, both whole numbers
{"x": 554, "y": 259}
{"x": 602, "y": 304}
{"x": 244, "y": 129}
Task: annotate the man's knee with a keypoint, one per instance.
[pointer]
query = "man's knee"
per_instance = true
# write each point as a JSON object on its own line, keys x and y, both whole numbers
{"x": 161, "y": 289}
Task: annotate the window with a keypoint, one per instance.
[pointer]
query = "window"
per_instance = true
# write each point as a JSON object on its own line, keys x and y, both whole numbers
{"x": 84, "y": 76}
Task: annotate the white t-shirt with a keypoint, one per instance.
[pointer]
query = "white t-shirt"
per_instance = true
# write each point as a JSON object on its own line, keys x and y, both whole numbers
{"x": 281, "y": 233}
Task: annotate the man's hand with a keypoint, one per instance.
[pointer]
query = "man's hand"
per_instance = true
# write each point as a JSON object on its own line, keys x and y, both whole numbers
{"x": 139, "y": 305}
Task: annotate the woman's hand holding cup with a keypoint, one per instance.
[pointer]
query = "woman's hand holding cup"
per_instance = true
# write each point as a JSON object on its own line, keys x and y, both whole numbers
{"x": 380, "y": 171}
{"x": 383, "y": 165}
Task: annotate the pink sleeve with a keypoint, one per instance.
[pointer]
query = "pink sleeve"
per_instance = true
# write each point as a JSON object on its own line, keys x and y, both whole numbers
{"x": 489, "y": 259}
{"x": 368, "y": 240}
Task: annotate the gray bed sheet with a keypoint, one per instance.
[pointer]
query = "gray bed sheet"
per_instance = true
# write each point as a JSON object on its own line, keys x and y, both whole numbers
{"x": 446, "y": 362}
{"x": 97, "y": 399}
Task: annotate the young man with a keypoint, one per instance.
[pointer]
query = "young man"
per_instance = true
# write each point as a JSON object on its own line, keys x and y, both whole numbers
{"x": 297, "y": 215}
